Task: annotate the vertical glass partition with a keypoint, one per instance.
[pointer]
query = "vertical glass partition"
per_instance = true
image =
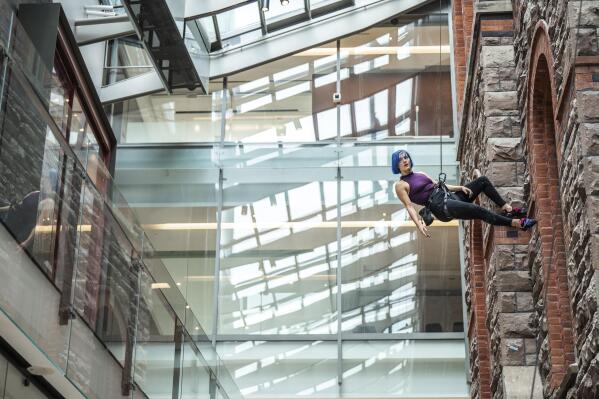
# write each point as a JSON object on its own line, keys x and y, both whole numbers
{"x": 278, "y": 243}
{"x": 281, "y": 227}
{"x": 184, "y": 116}
{"x": 398, "y": 79}
{"x": 289, "y": 100}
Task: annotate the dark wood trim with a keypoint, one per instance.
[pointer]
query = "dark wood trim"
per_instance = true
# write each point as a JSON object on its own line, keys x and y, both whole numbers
{"x": 90, "y": 102}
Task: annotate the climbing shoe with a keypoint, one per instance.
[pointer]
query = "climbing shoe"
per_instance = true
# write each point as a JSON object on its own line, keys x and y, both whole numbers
{"x": 527, "y": 223}
{"x": 516, "y": 213}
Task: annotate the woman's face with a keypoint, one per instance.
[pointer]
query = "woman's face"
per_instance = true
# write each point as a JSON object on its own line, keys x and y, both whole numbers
{"x": 405, "y": 166}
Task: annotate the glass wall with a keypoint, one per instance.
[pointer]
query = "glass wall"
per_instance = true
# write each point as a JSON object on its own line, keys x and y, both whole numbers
{"x": 279, "y": 220}
{"x": 394, "y": 83}
{"x": 124, "y": 59}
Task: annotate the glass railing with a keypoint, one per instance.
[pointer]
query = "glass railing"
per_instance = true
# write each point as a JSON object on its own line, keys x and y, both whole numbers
{"x": 112, "y": 320}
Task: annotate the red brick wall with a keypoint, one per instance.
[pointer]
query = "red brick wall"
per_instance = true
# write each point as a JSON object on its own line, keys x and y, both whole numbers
{"x": 543, "y": 164}
{"x": 478, "y": 316}
{"x": 459, "y": 48}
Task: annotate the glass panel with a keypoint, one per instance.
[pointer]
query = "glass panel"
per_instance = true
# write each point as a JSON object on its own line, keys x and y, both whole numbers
{"x": 288, "y": 100}
{"x": 106, "y": 281}
{"x": 393, "y": 281}
{"x": 184, "y": 116}
{"x": 125, "y": 58}
{"x": 277, "y": 9}
{"x": 6, "y": 13}
{"x": 427, "y": 154}
{"x": 24, "y": 54}
{"x": 3, "y": 368}
{"x": 315, "y": 4}
{"x": 30, "y": 190}
{"x": 200, "y": 30}
{"x": 280, "y": 156}
{"x": 208, "y": 25}
{"x": 31, "y": 164}
{"x": 91, "y": 367}
{"x": 195, "y": 375}
{"x": 282, "y": 369}
{"x": 404, "y": 369}
{"x": 241, "y": 39}
{"x": 278, "y": 251}
{"x": 60, "y": 96}
{"x": 155, "y": 358}
{"x": 83, "y": 141}
{"x": 174, "y": 196}
{"x": 398, "y": 79}
{"x": 238, "y": 19}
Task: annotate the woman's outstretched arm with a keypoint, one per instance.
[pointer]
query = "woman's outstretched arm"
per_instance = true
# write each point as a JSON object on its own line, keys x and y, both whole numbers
{"x": 401, "y": 190}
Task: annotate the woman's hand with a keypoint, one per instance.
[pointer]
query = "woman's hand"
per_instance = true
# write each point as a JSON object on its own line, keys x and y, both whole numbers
{"x": 466, "y": 191}
{"x": 423, "y": 229}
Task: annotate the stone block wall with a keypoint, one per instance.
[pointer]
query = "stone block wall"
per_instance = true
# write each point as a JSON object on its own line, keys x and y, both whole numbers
{"x": 530, "y": 122}
{"x": 491, "y": 143}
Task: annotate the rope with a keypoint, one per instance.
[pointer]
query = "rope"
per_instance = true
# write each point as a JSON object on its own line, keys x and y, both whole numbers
{"x": 439, "y": 102}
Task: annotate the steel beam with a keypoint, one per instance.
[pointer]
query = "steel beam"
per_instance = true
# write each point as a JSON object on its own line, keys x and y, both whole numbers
{"x": 95, "y": 30}
{"x": 130, "y": 88}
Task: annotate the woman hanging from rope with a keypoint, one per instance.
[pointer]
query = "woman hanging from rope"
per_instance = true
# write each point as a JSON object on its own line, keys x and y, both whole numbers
{"x": 448, "y": 202}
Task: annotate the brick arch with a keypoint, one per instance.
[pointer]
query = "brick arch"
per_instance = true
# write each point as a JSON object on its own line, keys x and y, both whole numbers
{"x": 543, "y": 164}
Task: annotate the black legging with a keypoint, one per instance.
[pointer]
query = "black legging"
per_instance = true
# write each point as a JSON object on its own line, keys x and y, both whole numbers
{"x": 466, "y": 210}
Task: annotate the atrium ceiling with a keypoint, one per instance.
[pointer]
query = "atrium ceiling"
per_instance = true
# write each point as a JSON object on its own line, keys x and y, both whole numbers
{"x": 204, "y": 40}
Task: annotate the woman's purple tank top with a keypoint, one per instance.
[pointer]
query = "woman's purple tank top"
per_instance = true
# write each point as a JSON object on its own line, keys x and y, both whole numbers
{"x": 421, "y": 187}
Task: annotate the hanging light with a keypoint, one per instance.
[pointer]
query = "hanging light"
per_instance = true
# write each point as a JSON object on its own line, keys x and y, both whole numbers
{"x": 265, "y": 5}
{"x": 284, "y": 2}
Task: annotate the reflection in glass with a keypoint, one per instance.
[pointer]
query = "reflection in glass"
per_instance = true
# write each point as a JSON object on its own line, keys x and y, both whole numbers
{"x": 125, "y": 58}
{"x": 282, "y": 369}
{"x": 184, "y": 116}
{"x": 279, "y": 11}
{"x": 399, "y": 79}
{"x": 238, "y": 19}
{"x": 195, "y": 377}
{"x": 156, "y": 341}
{"x": 174, "y": 197}
{"x": 404, "y": 369}
{"x": 276, "y": 101}
{"x": 278, "y": 249}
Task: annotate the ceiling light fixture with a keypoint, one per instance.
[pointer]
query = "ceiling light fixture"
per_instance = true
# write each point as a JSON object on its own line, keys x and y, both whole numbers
{"x": 160, "y": 286}
{"x": 265, "y": 5}
{"x": 284, "y": 2}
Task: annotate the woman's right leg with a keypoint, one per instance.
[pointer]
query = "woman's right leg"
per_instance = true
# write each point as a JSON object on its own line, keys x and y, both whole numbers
{"x": 467, "y": 211}
{"x": 482, "y": 185}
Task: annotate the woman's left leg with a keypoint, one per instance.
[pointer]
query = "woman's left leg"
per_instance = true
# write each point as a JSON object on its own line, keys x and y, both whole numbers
{"x": 466, "y": 211}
